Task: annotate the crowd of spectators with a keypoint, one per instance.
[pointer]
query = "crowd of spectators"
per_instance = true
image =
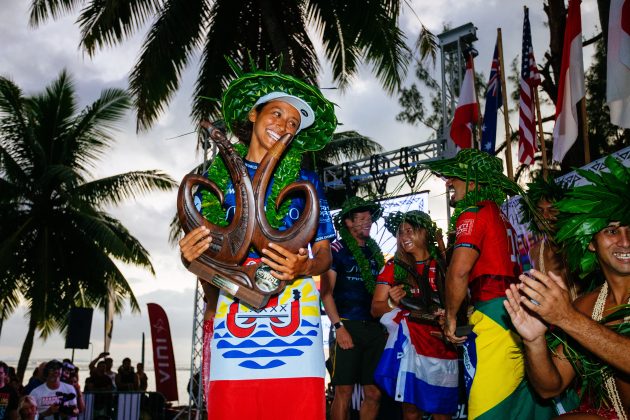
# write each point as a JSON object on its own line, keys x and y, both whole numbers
{"x": 54, "y": 391}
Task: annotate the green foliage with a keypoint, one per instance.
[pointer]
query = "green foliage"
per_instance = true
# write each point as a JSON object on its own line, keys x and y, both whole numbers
{"x": 350, "y": 32}
{"x": 58, "y": 245}
{"x": 587, "y": 209}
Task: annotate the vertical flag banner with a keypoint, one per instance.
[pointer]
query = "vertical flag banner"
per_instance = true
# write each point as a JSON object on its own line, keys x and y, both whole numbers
{"x": 494, "y": 101}
{"x": 618, "y": 64}
{"x": 528, "y": 82}
{"x": 571, "y": 84}
{"x": 163, "y": 358}
{"x": 467, "y": 111}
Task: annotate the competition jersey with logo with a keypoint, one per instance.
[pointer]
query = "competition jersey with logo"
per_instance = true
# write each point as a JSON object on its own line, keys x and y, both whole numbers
{"x": 272, "y": 341}
{"x": 352, "y": 299}
{"x": 387, "y": 275}
{"x": 485, "y": 229}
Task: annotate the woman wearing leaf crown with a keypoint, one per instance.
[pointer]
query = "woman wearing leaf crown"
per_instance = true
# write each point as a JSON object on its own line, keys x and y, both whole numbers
{"x": 258, "y": 370}
{"x": 425, "y": 379}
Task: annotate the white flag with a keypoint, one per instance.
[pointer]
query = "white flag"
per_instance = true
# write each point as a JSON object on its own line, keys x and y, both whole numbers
{"x": 618, "y": 65}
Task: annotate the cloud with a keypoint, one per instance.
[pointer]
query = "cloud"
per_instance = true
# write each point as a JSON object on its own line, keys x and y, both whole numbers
{"x": 34, "y": 57}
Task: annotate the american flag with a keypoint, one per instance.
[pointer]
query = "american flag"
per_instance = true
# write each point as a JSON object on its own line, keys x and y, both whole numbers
{"x": 494, "y": 101}
{"x": 530, "y": 78}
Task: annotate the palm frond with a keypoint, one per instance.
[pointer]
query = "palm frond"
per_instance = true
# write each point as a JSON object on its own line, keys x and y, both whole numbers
{"x": 117, "y": 188}
{"x": 165, "y": 53}
{"x": 108, "y": 23}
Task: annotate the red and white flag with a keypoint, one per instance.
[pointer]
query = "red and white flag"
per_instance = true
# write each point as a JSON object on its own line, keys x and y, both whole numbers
{"x": 571, "y": 86}
{"x": 618, "y": 65}
{"x": 529, "y": 80}
{"x": 467, "y": 112}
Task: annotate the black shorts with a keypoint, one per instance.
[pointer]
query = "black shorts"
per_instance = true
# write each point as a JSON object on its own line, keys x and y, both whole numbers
{"x": 357, "y": 365}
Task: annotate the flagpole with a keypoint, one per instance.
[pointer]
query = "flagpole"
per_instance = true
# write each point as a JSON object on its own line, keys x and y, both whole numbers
{"x": 541, "y": 137}
{"x": 480, "y": 119}
{"x": 587, "y": 151}
{"x": 508, "y": 141}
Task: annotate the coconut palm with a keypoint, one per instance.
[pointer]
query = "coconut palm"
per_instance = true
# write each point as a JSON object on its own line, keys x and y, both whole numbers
{"x": 350, "y": 31}
{"x": 58, "y": 245}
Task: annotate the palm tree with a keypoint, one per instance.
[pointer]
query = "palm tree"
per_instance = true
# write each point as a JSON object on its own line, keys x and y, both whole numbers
{"x": 350, "y": 31}
{"x": 58, "y": 246}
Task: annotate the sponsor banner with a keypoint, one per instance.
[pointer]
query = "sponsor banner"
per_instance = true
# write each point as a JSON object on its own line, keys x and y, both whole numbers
{"x": 163, "y": 358}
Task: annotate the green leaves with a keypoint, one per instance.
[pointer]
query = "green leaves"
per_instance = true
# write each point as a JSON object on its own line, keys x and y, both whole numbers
{"x": 58, "y": 247}
{"x": 587, "y": 209}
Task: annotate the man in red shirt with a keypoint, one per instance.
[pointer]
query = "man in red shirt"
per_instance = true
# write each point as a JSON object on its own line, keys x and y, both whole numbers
{"x": 485, "y": 262}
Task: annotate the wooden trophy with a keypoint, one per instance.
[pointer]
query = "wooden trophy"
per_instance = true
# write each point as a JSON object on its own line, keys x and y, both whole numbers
{"x": 220, "y": 265}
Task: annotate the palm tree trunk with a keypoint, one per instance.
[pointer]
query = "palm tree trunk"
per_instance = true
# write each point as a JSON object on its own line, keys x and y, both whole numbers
{"x": 26, "y": 348}
{"x": 274, "y": 28}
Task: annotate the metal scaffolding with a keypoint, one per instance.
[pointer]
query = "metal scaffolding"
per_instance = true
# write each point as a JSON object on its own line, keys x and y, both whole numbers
{"x": 377, "y": 169}
{"x": 196, "y": 403}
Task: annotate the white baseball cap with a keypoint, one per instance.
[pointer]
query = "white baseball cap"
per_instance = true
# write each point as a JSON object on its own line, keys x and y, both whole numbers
{"x": 307, "y": 115}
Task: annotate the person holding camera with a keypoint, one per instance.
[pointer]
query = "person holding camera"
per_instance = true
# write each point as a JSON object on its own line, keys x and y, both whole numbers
{"x": 55, "y": 399}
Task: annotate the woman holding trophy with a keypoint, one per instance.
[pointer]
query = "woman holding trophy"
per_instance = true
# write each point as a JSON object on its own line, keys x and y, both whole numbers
{"x": 267, "y": 362}
{"x": 407, "y": 297}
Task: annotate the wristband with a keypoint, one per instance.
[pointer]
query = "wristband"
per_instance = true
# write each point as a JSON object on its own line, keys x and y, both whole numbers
{"x": 338, "y": 325}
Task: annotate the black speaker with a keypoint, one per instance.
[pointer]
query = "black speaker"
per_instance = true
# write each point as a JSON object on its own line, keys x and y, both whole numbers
{"x": 79, "y": 327}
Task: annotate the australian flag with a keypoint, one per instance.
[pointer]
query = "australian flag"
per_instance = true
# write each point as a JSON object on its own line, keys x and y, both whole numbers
{"x": 494, "y": 101}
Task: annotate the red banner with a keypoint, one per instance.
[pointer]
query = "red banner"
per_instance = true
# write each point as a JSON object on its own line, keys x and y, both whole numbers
{"x": 163, "y": 359}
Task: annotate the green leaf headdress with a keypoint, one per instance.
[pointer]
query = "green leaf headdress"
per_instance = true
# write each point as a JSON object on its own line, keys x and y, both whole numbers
{"x": 357, "y": 204}
{"x": 482, "y": 169}
{"x": 590, "y": 208}
{"x": 541, "y": 188}
{"x": 415, "y": 218}
{"x": 243, "y": 92}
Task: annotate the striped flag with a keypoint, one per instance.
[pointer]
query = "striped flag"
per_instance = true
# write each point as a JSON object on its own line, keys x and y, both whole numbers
{"x": 571, "y": 84}
{"x": 494, "y": 101}
{"x": 467, "y": 111}
{"x": 618, "y": 64}
{"x": 529, "y": 80}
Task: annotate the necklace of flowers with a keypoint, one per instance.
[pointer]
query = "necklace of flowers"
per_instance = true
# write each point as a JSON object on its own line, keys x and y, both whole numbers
{"x": 286, "y": 173}
{"x": 369, "y": 279}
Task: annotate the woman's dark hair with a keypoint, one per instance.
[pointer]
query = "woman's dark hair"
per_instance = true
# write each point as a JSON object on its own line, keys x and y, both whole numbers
{"x": 243, "y": 129}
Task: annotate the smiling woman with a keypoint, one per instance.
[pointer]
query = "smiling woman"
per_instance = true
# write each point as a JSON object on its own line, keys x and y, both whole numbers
{"x": 276, "y": 349}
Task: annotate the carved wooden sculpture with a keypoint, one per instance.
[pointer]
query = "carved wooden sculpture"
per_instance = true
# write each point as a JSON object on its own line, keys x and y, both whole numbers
{"x": 220, "y": 264}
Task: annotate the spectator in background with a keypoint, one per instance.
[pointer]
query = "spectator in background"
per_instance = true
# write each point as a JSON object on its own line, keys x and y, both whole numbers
{"x": 36, "y": 380}
{"x": 98, "y": 379}
{"x": 109, "y": 364}
{"x": 8, "y": 395}
{"x": 141, "y": 377}
{"x": 70, "y": 376}
{"x": 54, "y": 398}
{"x": 126, "y": 379}
{"x": 27, "y": 408}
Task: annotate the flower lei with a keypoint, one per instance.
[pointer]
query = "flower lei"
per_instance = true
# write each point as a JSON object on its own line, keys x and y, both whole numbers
{"x": 369, "y": 279}
{"x": 286, "y": 173}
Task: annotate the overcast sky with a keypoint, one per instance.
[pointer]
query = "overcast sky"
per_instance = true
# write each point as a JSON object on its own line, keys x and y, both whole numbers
{"x": 32, "y": 58}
